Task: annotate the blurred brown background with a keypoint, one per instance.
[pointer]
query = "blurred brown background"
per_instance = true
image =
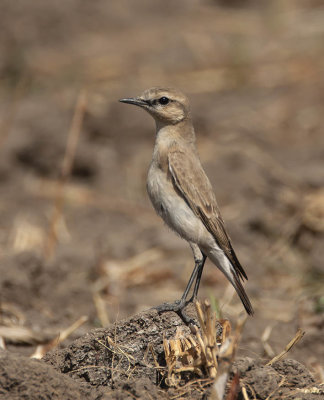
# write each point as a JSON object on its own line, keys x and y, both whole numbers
{"x": 253, "y": 71}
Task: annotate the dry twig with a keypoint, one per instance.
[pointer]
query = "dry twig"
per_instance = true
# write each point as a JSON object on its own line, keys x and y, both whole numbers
{"x": 199, "y": 352}
{"x": 296, "y": 339}
{"x": 42, "y": 349}
{"x": 68, "y": 160}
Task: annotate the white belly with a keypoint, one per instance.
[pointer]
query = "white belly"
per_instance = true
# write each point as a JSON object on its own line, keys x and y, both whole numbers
{"x": 174, "y": 210}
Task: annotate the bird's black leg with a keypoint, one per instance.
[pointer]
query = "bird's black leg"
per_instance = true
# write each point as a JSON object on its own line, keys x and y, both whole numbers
{"x": 193, "y": 276}
{"x": 179, "y": 305}
{"x": 197, "y": 283}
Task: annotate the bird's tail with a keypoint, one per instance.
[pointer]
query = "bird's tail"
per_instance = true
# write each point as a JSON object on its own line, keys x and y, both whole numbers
{"x": 242, "y": 294}
{"x": 223, "y": 263}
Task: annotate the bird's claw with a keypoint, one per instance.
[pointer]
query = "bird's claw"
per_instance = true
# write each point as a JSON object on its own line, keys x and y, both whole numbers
{"x": 177, "y": 307}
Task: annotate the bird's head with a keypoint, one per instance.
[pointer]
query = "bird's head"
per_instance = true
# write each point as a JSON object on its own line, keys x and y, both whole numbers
{"x": 167, "y": 106}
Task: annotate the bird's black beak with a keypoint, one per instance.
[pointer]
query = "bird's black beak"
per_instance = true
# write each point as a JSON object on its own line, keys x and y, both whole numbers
{"x": 137, "y": 101}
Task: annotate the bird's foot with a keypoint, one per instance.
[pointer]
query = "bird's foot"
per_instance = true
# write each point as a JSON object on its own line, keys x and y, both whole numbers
{"x": 177, "y": 307}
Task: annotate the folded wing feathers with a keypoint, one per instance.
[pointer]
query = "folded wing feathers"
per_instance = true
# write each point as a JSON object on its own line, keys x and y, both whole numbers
{"x": 202, "y": 201}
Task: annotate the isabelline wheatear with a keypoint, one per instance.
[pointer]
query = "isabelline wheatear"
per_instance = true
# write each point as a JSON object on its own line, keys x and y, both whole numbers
{"x": 182, "y": 194}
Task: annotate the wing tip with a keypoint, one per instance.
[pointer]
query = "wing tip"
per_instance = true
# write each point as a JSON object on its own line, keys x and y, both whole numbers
{"x": 243, "y": 296}
{"x": 238, "y": 267}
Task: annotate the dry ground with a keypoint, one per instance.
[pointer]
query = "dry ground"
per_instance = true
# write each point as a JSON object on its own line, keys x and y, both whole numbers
{"x": 254, "y": 73}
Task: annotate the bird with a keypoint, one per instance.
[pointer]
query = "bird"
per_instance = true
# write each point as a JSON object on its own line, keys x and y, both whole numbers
{"x": 182, "y": 194}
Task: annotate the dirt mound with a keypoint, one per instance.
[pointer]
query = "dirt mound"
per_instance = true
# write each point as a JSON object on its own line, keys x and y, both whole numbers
{"x": 109, "y": 357}
{"x": 124, "y": 358}
{"x": 127, "y": 361}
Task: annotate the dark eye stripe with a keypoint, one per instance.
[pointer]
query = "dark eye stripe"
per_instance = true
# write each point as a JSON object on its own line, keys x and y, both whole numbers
{"x": 157, "y": 101}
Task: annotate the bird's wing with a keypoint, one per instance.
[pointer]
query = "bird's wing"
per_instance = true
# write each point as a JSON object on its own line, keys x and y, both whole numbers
{"x": 193, "y": 185}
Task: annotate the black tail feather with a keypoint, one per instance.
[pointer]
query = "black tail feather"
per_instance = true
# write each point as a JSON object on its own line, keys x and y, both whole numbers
{"x": 242, "y": 294}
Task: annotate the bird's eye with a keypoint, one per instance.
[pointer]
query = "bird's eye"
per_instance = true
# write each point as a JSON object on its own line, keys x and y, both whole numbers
{"x": 164, "y": 100}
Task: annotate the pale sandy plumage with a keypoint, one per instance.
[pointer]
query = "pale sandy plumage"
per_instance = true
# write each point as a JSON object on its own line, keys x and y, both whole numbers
{"x": 181, "y": 192}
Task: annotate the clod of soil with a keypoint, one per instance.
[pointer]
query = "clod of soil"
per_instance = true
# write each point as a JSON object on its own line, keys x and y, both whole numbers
{"x": 282, "y": 379}
{"x": 109, "y": 357}
{"x": 25, "y": 378}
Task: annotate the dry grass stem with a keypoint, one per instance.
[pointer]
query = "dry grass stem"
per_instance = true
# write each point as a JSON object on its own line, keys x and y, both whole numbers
{"x": 10, "y": 315}
{"x": 22, "y": 335}
{"x": 117, "y": 350}
{"x": 156, "y": 364}
{"x": 296, "y": 339}
{"x": 2, "y": 343}
{"x": 25, "y": 236}
{"x": 199, "y": 352}
{"x": 68, "y": 331}
{"x": 73, "y": 137}
{"x": 264, "y": 340}
{"x": 219, "y": 387}
{"x": 101, "y": 309}
{"x": 244, "y": 393}
{"x": 42, "y": 349}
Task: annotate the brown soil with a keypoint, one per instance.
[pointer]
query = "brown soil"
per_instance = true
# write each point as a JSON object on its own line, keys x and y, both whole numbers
{"x": 117, "y": 363}
{"x": 254, "y": 75}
